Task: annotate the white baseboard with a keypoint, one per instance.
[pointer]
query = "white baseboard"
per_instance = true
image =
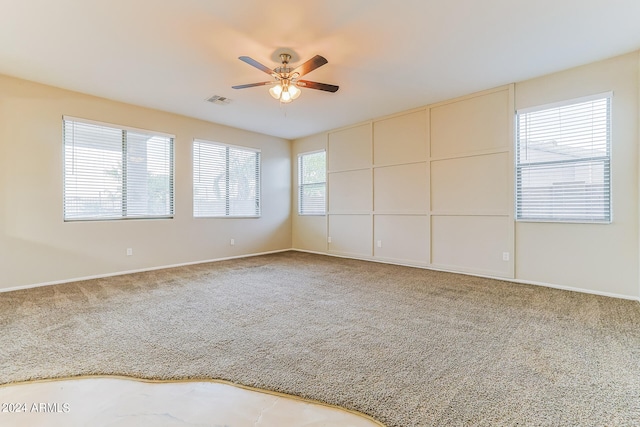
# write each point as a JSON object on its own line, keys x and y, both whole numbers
{"x": 524, "y": 282}
{"x": 308, "y": 252}
{"x": 573, "y": 289}
{"x": 370, "y": 259}
{"x": 121, "y": 273}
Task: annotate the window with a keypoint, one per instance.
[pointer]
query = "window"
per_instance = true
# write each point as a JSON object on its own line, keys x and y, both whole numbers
{"x": 226, "y": 180}
{"x": 116, "y": 173}
{"x": 563, "y": 161}
{"x": 312, "y": 183}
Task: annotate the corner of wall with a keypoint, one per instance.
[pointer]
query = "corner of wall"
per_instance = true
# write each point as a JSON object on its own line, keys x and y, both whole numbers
{"x": 638, "y": 160}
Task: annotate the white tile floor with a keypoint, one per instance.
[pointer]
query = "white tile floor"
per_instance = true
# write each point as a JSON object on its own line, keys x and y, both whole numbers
{"x": 107, "y": 401}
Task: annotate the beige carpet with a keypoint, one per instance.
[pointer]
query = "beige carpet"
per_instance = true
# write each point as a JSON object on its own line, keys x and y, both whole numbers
{"x": 407, "y": 346}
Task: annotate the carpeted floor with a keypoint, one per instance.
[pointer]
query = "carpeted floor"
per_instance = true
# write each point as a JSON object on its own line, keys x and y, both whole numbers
{"x": 410, "y": 347}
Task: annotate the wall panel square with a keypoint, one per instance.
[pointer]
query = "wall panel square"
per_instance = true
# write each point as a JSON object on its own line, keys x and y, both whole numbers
{"x": 401, "y": 189}
{"x": 351, "y": 234}
{"x": 472, "y": 185}
{"x": 471, "y": 125}
{"x": 350, "y": 148}
{"x": 471, "y": 244}
{"x": 403, "y": 238}
{"x": 400, "y": 139}
{"x": 350, "y": 192}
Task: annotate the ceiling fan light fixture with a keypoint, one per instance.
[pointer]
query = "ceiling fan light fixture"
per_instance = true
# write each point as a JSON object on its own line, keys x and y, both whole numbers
{"x": 285, "y": 92}
{"x": 294, "y": 91}
{"x": 276, "y": 91}
{"x": 285, "y": 97}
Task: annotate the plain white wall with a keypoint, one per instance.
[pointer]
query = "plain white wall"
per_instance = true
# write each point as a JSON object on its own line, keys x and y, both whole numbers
{"x": 37, "y": 246}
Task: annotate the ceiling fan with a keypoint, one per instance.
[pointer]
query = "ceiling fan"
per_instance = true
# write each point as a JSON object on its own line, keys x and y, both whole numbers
{"x": 287, "y": 79}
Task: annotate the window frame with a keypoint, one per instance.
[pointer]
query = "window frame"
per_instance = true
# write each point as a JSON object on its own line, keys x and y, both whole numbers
{"x": 605, "y": 160}
{"x": 302, "y": 185}
{"x": 258, "y": 198}
{"x": 123, "y": 153}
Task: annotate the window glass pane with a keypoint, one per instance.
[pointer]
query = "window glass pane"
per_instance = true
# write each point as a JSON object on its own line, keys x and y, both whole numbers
{"x": 243, "y": 182}
{"x": 93, "y": 171}
{"x": 574, "y": 131}
{"x": 98, "y": 184}
{"x": 159, "y": 158}
{"x": 209, "y": 180}
{"x": 563, "y": 163}
{"x": 313, "y": 168}
{"x": 312, "y": 198}
{"x": 226, "y": 180}
{"x": 562, "y": 192}
{"x": 312, "y": 183}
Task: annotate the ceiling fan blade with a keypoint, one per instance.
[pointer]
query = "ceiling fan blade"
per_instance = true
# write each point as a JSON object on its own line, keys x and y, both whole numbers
{"x": 256, "y": 64}
{"x": 251, "y": 85}
{"x": 310, "y": 65}
{"x": 315, "y": 85}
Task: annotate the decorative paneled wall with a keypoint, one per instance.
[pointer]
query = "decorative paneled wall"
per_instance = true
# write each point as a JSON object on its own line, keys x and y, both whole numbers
{"x": 429, "y": 187}
{"x": 463, "y": 148}
{"x": 472, "y": 184}
{"x": 401, "y": 188}
{"x": 350, "y": 191}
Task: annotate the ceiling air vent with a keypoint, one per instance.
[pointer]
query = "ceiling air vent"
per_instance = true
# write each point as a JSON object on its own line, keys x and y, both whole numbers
{"x": 220, "y": 100}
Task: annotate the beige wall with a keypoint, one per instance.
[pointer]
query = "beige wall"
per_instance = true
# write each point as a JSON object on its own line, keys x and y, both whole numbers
{"x": 594, "y": 257}
{"x": 37, "y": 246}
{"x": 311, "y": 230}
{"x": 467, "y": 150}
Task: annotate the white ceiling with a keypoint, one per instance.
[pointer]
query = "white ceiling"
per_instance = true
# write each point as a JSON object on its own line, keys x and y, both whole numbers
{"x": 386, "y": 56}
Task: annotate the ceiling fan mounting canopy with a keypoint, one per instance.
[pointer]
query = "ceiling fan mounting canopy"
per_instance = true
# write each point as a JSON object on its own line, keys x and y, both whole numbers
{"x": 286, "y": 79}
{"x": 285, "y": 58}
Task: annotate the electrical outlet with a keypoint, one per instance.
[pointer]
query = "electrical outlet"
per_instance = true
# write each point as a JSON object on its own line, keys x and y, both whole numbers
{"x": 232, "y": 242}
{"x": 379, "y": 243}
{"x": 505, "y": 256}
{"x": 329, "y": 239}
{"x": 129, "y": 251}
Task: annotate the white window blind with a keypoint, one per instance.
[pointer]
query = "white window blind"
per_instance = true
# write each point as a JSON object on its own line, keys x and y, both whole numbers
{"x": 312, "y": 183}
{"x": 226, "y": 180}
{"x": 563, "y": 158}
{"x": 116, "y": 173}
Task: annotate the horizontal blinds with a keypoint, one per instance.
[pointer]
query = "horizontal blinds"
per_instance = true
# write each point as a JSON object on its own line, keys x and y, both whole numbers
{"x": 563, "y": 163}
{"x": 312, "y": 183}
{"x": 226, "y": 180}
{"x": 113, "y": 173}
